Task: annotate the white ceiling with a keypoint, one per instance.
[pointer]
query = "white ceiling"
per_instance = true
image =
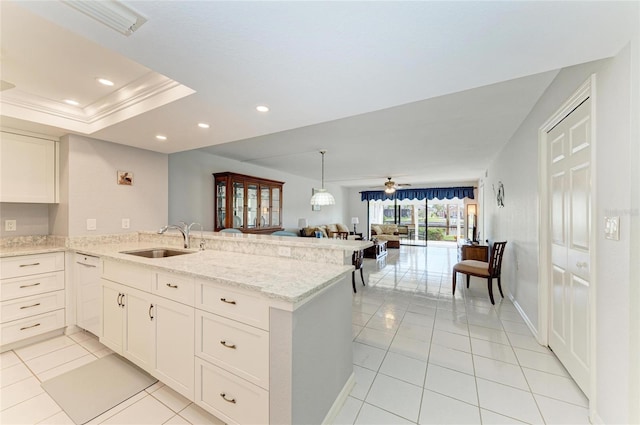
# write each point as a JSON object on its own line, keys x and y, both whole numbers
{"x": 424, "y": 92}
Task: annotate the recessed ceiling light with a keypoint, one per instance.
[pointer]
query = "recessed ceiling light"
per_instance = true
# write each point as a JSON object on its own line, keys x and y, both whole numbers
{"x": 105, "y": 82}
{"x": 71, "y": 102}
{"x": 161, "y": 137}
{"x": 203, "y": 125}
{"x": 262, "y": 108}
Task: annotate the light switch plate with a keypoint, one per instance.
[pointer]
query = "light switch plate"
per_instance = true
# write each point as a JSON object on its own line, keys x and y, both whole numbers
{"x": 126, "y": 223}
{"x": 10, "y": 225}
{"x": 91, "y": 224}
{"x": 612, "y": 228}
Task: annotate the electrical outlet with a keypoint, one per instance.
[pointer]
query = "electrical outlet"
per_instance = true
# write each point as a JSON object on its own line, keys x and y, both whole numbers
{"x": 10, "y": 225}
{"x": 91, "y": 224}
{"x": 125, "y": 223}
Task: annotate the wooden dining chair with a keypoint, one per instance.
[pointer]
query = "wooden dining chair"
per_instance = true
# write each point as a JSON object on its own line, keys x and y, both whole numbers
{"x": 358, "y": 262}
{"x": 488, "y": 270}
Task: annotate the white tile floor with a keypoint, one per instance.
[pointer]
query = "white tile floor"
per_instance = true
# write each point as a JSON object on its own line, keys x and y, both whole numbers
{"x": 420, "y": 357}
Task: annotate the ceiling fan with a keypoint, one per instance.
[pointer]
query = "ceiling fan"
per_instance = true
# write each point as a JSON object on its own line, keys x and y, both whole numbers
{"x": 390, "y": 186}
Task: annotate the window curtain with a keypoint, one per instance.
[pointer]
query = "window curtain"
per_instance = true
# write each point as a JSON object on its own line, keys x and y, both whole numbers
{"x": 419, "y": 194}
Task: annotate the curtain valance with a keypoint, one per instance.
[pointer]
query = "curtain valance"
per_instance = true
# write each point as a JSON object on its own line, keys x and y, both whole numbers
{"x": 419, "y": 194}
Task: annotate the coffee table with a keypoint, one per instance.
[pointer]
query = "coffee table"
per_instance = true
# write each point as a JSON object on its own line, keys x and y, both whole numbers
{"x": 377, "y": 251}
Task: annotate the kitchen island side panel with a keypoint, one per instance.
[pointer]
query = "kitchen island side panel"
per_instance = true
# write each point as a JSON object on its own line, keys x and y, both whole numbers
{"x": 311, "y": 356}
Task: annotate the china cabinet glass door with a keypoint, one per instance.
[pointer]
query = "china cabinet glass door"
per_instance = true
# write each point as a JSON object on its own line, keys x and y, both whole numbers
{"x": 252, "y": 206}
{"x": 275, "y": 207}
{"x": 221, "y": 203}
{"x": 238, "y": 205}
{"x": 265, "y": 206}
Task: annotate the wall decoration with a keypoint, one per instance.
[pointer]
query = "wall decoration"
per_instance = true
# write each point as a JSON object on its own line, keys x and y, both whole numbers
{"x": 315, "y": 207}
{"x": 499, "y": 194}
{"x": 125, "y": 178}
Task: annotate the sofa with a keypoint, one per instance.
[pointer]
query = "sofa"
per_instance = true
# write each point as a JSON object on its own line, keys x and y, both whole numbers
{"x": 386, "y": 232}
{"x": 335, "y": 230}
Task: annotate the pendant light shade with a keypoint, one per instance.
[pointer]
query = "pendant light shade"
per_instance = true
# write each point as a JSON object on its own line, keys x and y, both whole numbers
{"x": 321, "y": 196}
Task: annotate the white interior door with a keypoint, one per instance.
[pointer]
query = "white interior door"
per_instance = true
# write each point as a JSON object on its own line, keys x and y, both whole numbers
{"x": 569, "y": 168}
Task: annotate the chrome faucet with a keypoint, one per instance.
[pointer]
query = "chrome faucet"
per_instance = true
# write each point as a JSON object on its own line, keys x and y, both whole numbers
{"x": 185, "y": 229}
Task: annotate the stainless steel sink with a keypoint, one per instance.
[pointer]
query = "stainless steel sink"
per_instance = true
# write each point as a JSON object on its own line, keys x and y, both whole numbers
{"x": 157, "y": 252}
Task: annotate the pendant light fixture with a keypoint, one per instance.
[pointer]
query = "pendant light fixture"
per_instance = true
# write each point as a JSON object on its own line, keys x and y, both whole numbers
{"x": 321, "y": 196}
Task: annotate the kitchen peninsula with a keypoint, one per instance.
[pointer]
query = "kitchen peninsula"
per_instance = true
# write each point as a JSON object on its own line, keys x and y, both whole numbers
{"x": 250, "y": 338}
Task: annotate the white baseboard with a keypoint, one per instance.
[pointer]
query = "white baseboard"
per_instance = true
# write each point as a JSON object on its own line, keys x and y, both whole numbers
{"x": 524, "y": 316}
{"x": 339, "y": 402}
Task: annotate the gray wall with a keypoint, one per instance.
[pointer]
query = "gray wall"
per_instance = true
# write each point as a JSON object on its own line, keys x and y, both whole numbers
{"x": 89, "y": 190}
{"x": 31, "y": 219}
{"x": 191, "y": 191}
{"x": 516, "y": 166}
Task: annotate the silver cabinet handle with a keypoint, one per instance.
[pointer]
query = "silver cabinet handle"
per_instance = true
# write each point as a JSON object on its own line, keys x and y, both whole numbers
{"x": 27, "y": 286}
{"x": 224, "y": 300}
{"x": 29, "y": 265}
{"x": 29, "y": 306}
{"x": 228, "y": 345}
{"x": 229, "y": 400}
{"x": 84, "y": 264}
{"x": 29, "y": 327}
{"x": 172, "y": 286}
{"x": 582, "y": 265}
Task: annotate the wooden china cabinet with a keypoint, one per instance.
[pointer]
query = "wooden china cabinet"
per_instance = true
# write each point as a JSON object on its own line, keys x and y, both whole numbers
{"x": 249, "y": 204}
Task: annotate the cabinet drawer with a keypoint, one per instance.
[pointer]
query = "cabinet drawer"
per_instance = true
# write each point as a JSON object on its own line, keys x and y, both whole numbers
{"x": 32, "y": 326}
{"x": 233, "y": 304}
{"x": 240, "y": 349}
{"x": 176, "y": 288}
{"x": 230, "y": 398}
{"x": 128, "y": 274}
{"x": 30, "y": 306}
{"x": 31, "y": 285}
{"x": 27, "y": 265}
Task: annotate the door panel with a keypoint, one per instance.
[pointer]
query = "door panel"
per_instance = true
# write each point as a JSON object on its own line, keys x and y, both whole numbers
{"x": 569, "y": 177}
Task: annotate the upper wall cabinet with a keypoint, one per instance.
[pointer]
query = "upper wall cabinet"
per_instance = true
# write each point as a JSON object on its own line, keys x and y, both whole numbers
{"x": 250, "y": 204}
{"x": 28, "y": 169}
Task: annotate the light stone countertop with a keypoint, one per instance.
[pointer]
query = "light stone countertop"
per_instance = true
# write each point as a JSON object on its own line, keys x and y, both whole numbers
{"x": 288, "y": 280}
{"x": 284, "y": 279}
{"x": 29, "y": 250}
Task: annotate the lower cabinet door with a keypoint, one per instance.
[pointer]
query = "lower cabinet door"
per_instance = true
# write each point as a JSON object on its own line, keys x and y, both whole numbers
{"x": 175, "y": 345}
{"x": 140, "y": 337}
{"x": 228, "y": 397}
{"x": 112, "y": 315}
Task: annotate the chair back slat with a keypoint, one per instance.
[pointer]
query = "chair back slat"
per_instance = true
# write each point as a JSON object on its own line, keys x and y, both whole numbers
{"x": 495, "y": 262}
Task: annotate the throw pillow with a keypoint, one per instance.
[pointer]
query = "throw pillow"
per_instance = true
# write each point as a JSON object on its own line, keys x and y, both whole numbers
{"x": 342, "y": 227}
{"x": 376, "y": 228}
{"x": 332, "y": 228}
{"x": 389, "y": 229}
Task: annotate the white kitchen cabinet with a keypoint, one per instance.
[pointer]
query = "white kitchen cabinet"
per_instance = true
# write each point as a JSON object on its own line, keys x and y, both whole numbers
{"x": 28, "y": 169}
{"x": 154, "y": 332}
{"x": 175, "y": 345}
{"x": 32, "y": 296}
{"x": 112, "y": 315}
{"x": 128, "y": 324}
{"x": 140, "y": 329}
{"x": 232, "y": 350}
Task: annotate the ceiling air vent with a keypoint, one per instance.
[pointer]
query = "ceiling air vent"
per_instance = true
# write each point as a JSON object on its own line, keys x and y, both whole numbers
{"x": 112, "y": 13}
